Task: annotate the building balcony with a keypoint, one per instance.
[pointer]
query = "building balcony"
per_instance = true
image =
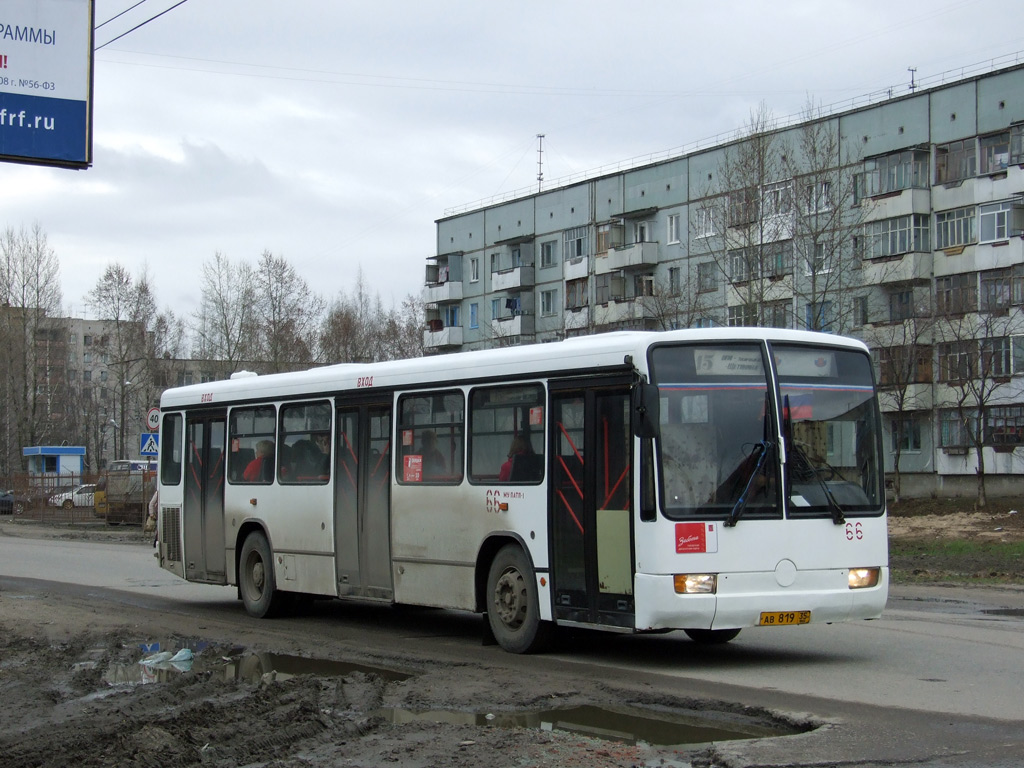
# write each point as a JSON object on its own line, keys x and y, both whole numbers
{"x": 443, "y": 293}
{"x": 626, "y": 257}
{"x": 917, "y": 397}
{"x": 512, "y": 279}
{"x": 577, "y": 320}
{"x": 517, "y": 325}
{"x": 576, "y": 268}
{"x": 622, "y": 311}
{"x": 450, "y": 336}
{"x": 908, "y": 268}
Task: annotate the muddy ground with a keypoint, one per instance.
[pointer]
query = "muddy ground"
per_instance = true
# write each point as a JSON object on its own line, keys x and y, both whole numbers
{"x": 73, "y": 693}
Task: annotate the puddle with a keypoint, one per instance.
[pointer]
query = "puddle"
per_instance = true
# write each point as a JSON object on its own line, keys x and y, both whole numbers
{"x": 1017, "y": 613}
{"x": 626, "y": 725}
{"x": 254, "y": 666}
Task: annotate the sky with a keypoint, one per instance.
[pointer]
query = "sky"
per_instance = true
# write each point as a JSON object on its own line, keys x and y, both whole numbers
{"x": 336, "y": 133}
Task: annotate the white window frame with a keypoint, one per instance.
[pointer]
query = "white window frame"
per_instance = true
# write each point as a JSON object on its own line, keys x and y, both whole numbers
{"x": 996, "y": 218}
{"x": 954, "y": 228}
{"x": 474, "y": 270}
{"x": 548, "y": 302}
{"x": 672, "y": 234}
{"x": 705, "y": 226}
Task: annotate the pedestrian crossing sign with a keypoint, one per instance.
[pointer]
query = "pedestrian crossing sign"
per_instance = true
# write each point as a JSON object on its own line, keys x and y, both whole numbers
{"x": 149, "y": 444}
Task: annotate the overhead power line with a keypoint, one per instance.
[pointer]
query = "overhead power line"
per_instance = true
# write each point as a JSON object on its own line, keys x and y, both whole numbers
{"x": 151, "y": 18}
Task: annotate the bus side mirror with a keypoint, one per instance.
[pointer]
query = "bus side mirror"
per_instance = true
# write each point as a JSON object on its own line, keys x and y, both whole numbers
{"x": 646, "y": 410}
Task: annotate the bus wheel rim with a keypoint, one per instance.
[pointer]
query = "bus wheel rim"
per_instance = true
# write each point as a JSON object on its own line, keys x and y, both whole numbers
{"x": 510, "y": 598}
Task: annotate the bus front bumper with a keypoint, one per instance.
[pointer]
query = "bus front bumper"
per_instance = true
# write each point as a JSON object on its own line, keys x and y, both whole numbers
{"x": 742, "y": 598}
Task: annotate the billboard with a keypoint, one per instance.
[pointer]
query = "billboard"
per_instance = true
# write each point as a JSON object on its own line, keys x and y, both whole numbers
{"x": 46, "y": 49}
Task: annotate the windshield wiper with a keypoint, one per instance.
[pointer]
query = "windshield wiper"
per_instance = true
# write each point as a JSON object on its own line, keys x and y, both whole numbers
{"x": 763, "y": 448}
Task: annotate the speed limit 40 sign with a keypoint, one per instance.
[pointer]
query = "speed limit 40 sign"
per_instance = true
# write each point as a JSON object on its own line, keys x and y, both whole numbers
{"x": 153, "y": 419}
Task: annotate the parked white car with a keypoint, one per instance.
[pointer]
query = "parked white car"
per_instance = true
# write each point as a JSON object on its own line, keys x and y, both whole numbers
{"x": 79, "y": 496}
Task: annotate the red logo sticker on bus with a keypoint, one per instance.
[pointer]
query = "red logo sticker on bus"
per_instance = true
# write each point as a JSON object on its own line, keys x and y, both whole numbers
{"x": 412, "y": 471}
{"x": 537, "y": 416}
{"x": 691, "y": 537}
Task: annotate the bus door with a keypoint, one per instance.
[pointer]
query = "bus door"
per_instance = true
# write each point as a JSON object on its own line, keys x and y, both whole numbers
{"x": 203, "y": 509}
{"x": 362, "y": 500}
{"x": 589, "y": 507}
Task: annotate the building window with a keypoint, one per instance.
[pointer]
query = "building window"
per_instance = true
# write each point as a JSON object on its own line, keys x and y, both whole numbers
{"x": 955, "y": 161}
{"x": 547, "y": 253}
{"x": 451, "y": 315}
{"x": 1004, "y": 425}
{"x": 892, "y": 173}
{"x": 1017, "y": 145}
{"x": 86, "y": 375}
{"x": 740, "y": 268}
{"x": 576, "y": 293}
{"x": 819, "y": 316}
{"x": 474, "y": 315}
{"x": 953, "y": 228}
{"x": 673, "y": 228}
{"x": 640, "y": 230}
{"x": 609, "y": 287}
{"x": 704, "y": 322}
{"x": 777, "y": 258}
{"x": 1002, "y": 288}
{"x": 705, "y": 222}
{"x": 87, "y": 340}
{"x": 743, "y": 207}
{"x": 953, "y": 429}
{"x": 958, "y": 361}
{"x": 777, "y": 199}
{"x": 902, "y": 365}
{"x": 815, "y": 265}
{"x": 778, "y": 314}
{"x": 474, "y": 270}
{"x": 905, "y": 433}
{"x": 744, "y": 314}
{"x": 574, "y": 244}
{"x": 996, "y": 357}
{"x": 891, "y": 237}
{"x": 994, "y": 221}
{"x": 548, "y": 302}
{"x": 956, "y": 294}
{"x": 495, "y": 262}
{"x": 901, "y": 306}
{"x": 995, "y": 152}
{"x": 674, "y": 280}
{"x": 707, "y": 277}
{"x": 495, "y": 309}
{"x": 817, "y": 196}
{"x": 860, "y": 310}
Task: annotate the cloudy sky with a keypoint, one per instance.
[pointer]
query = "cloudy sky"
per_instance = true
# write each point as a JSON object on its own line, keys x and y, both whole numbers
{"x": 335, "y": 133}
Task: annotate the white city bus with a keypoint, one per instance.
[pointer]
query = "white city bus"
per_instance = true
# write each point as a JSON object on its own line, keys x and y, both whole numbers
{"x": 698, "y": 480}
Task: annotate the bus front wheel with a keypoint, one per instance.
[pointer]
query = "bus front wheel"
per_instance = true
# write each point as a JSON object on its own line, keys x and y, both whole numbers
{"x": 513, "y": 609}
{"x": 256, "y": 577}
{"x": 711, "y": 636}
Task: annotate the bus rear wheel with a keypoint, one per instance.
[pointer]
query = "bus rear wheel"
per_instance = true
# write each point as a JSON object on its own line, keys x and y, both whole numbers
{"x": 256, "y": 577}
{"x": 513, "y": 608}
{"x": 711, "y": 636}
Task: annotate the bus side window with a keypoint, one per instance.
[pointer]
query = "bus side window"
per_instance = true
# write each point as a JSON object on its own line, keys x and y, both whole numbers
{"x": 430, "y": 427}
{"x": 507, "y": 434}
{"x": 249, "y": 427}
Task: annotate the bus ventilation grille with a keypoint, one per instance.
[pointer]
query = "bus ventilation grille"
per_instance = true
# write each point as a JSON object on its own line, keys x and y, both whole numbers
{"x": 171, "y": 533}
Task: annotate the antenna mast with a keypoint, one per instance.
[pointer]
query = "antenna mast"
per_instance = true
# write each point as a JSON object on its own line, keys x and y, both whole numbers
{"x": 540, "y": 161}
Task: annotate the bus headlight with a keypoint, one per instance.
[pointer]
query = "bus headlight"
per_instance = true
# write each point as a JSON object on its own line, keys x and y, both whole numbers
{"x": 696, "y": 583}
{"x": 860, "y": 578}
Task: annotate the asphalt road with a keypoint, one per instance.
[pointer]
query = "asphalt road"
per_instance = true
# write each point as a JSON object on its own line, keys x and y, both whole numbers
{"x": 936, "y": 681}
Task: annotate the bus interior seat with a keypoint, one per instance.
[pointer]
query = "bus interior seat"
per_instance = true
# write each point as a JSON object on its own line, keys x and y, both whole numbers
{"x": 526, "y": 467}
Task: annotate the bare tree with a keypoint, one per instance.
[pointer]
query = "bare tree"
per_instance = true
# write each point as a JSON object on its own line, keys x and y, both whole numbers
{"x": 224, "y": 327}
{"x": 129, "y": 307}
{"x": 32, "y": 345}
{"x": 358, "y": 328}
{"x": 287, "y": 314}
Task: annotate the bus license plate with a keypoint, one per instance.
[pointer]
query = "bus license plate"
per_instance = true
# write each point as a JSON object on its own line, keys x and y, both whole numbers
{"x": 784, "y": 618}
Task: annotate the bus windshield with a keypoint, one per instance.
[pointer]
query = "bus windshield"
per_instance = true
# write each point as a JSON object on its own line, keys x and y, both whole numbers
{"x": 829, "y": 413}
{"x": 719, "y": 432}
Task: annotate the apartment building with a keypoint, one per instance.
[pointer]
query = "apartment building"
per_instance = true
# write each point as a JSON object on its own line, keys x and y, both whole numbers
{"x": 900, "y": 222}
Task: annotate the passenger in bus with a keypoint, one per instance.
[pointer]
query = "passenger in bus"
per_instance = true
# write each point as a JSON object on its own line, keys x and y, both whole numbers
{"x": 433, "y": 461}
{"x": 261, "y": 468}
{"x": 518, "y": 466}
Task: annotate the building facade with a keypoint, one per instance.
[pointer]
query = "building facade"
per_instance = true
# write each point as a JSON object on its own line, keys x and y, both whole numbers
{"x": 900, "y": 223}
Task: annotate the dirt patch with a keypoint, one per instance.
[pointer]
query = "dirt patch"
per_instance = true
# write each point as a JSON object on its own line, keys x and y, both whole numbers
{"x": 80, "y": 702}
